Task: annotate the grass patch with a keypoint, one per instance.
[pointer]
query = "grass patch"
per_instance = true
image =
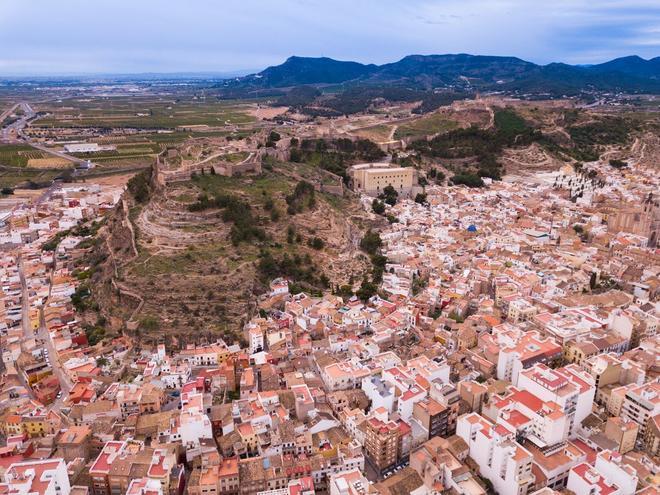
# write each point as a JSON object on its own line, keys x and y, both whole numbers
{"x": 433, "y": 124}
{"x": 255, "y": 187}
{"x": 184, "y": 262}
{"x": 237, "y": 157}
{"x": 33, "y": 178}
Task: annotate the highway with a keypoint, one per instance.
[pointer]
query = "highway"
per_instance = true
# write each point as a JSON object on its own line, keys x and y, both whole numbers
{"x": 17, "y": 127}
{"x": 7, "y": 112}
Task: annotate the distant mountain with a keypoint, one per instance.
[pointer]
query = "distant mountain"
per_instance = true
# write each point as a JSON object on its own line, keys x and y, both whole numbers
{"x": 303, "y": 70}
{"x": 453, "y": 68}
{"x": 633, "y": 65}
{"x": 627, "y": 74}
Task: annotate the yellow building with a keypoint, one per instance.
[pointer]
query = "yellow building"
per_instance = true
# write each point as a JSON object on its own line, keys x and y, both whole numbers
{"x": 372, "y": 178}
{"x": 35, "y": 427}
{"x": 12, "y": 425}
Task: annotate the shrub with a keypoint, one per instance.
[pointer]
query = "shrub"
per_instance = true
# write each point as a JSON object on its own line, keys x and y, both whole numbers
{"x": 420, "y": 198}
{"x": 317, "y": 243}
{"x": 371, "y": 242}
{"x": 378, "y": 207}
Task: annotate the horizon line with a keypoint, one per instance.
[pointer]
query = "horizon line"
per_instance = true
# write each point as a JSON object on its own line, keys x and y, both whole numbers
{"x": 230, "y": 74}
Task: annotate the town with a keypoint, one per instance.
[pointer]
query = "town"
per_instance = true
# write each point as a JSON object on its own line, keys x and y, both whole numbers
{"x": 329, "y": 247}
{"x": 511, "y": 347}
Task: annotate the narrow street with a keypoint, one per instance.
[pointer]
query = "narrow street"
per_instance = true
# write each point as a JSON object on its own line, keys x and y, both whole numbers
{"x": 25, "y": 301}
{"x": 58, "y": 370}
{"x": 43, "y": 337}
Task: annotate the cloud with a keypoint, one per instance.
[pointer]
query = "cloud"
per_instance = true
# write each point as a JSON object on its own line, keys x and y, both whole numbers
{"x": 42, "y": 36}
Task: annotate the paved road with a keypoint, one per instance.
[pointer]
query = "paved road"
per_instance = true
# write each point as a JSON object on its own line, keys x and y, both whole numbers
{"x": 7, "y": 112}
{"x": 17, "y": 127}
{"x": 58, "y": 370}
{"x": 43, "y": 336}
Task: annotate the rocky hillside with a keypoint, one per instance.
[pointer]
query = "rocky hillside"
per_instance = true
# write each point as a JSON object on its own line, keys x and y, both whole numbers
{"x": 190, "y": 260}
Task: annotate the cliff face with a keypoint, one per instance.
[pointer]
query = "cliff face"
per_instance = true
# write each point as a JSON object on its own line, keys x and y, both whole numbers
{"x": 116, "y": 249}
{"x": 172, "y": 273}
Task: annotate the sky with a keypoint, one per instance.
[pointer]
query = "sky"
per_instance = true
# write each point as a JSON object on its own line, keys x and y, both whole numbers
{"x": 42, "y": 37}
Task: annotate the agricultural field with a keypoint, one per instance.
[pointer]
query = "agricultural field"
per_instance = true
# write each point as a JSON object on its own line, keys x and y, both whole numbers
{"x": 18, "y": 155}
{"x": 49, "y": 161}
{"x": 144, "y": 112}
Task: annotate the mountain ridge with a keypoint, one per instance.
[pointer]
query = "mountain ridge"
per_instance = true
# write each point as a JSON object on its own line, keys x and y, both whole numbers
{"x": 631, "y": 73}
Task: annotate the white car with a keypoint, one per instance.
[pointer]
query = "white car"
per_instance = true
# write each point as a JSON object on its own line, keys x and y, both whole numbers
{"x": 59, "y": 395}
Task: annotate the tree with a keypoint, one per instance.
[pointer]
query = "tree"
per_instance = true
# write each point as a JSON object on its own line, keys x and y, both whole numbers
{"x": 469, "y": 180}
{"x": 101, "y": 362}
{"x": 592, "y": 280}
{"x": 366, "y": 290}
{"x": 420, "y": 198}
{"x": 378, "y": 207}
{"x": 389, "y": 195}
{"x": 7, "y": 191}
{"x": 371, "y": 242}
{"x": 345, "y": 291}
{"x": 619, "y": 164}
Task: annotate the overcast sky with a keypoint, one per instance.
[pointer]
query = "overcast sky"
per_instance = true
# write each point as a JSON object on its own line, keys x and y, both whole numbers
{"x": 121, "y": 36}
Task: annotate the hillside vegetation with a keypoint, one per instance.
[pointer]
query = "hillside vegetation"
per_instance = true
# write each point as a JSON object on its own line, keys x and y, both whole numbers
{"x": 207, "y": 248}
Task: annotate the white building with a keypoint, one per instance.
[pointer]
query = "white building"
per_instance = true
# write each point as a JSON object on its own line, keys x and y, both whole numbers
{"x": 379, "y": 392}
{"x": 641, "y": 403}
{"x": 351, "y": 482}
{"x": 144, "y": 486}
{"x": 570, "y": 387}
{"x": 610, "y": 464}
{"x": 523, "y": 353}
{"x": 47, "y": 477}
{"x": 543, "y": 423}
{"x": 500, "y": 458}
{"x": 193, "y": 425}
{"x": 585, "y": 480}
{"x": 256, "y": 339}
{"x": 87, "y": 147}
